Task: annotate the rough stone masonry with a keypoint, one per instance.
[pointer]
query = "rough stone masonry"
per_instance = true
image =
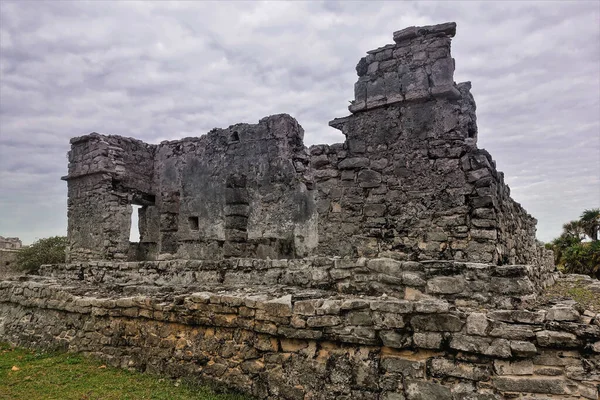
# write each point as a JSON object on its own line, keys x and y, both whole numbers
{"x": 392, "y": 266}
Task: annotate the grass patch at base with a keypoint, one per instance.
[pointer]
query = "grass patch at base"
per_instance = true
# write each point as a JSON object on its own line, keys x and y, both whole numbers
{"x": 573, "y": 290}
{"x": 33, "y": 374}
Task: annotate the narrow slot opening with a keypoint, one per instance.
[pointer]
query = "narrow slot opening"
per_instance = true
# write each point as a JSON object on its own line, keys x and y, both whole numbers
{"x": 134, "y": 229}
{"x": 193, "y": 221}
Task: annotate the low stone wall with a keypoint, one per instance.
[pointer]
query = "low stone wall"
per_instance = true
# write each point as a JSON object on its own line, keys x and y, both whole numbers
{"x": 285, "y": 343}
{"x": 465, "y": 284}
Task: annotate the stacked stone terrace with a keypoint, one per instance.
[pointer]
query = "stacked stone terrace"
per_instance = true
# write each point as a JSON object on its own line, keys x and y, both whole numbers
{"x": 392, "y": 266}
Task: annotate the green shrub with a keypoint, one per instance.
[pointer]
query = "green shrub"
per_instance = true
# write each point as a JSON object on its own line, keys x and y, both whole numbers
{"x": 583, "y": 258}
{"x": 45, "y": 251}
{"x": 572, "y": 254}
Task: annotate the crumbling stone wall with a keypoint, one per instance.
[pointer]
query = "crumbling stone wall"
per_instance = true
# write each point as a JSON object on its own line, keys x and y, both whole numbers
{"x": 107, "y": 174}
{"x": 292, "y": 343}
{"x": 409, "y": 181}
{"x": 239, "y": 191}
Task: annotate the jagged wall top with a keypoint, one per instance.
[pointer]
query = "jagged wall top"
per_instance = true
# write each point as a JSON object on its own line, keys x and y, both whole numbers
{"x": 418, "y": 66}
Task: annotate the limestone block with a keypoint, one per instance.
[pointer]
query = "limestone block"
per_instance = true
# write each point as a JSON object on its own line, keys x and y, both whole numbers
{"x": 436, "y": 323}
{"x": 427, "y": 340}
{"x": 533, "y": 385}
{"x": 404, "y": 367}
{"x": 562, "y": 313}
{"x": 427, "y": 306}
{"x": 424, "y": 390}
{"x": 446, "y": 285}
{"x": 442, "y": 72}
{"x": 475, "y": 344}
{"x": 354, "y": 163}
{"x": 556, "y": 339}
{"x": 441, "y": 367}
{"x": 368, "y": 178}
{"x": 524, "y": 367}
{"x": 477, "y": 324}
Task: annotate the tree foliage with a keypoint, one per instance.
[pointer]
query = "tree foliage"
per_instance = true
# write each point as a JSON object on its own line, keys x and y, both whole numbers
{"x": 590, "y": 223}
{"x": 577, "y": 249}
{"x": 45, "y": 251}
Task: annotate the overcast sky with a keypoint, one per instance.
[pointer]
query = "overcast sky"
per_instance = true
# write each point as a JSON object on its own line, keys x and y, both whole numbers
{"x": 158, "y": 70}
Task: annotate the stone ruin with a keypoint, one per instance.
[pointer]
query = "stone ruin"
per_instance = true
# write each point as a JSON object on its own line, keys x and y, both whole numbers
{"x": 10, "y": 243}
{"x": 9, "y": 248}
{"x": 392, "y": 266}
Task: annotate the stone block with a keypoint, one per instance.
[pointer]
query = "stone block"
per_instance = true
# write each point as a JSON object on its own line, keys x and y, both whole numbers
{"x": 424, "y": 390}
{"x": 562, "y": 313}
{"x": 427, "y": 306}
{"x": 524, "y": 367}
{"x": 388, "y": 320}
{"x": 509, "y": 331}
{"x": 386, "y": 266}
{"x": 446, "y": 285}
{"x": 518, "y": 316}
{"x": 436, "y": 323}
{"x": 476, "y": 344}
{"x": 323, "y": 320}
{"x": 368, "y": 178}
{"x": 354, "y": 163}
{"x": 477, "y": 324}
{"x": 403, "y": 366}
{"x": 442, "y": 72}
{"x": 280, "y": 307}
{"x": 442, "y": 368}
{"x": 427, "y": 340}
{"x": 395, "y": 339}
{"x": 556, "y": 339}
{"x": 392, "y": 306}
{"x": 544, "y": 385}
{"x": 522, "y": 348}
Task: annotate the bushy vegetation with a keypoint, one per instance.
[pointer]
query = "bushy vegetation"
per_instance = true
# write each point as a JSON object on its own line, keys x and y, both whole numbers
{"x": 45, "y": 251}
{"x": 577, "y": 249}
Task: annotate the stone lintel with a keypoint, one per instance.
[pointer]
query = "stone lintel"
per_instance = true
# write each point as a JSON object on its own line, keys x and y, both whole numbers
{"x": 338, "y": 123}
{"x": 445, "y": 29}
{"x": 76, "y": 176}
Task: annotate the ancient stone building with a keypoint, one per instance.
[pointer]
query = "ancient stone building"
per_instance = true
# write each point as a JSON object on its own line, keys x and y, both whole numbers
{"x": 392, "y": 266}
{"x": 11, "y": 243}
{"x": 409, "y": 181}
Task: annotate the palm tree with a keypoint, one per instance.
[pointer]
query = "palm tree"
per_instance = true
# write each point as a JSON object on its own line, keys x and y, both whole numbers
{"x": 574, "y": 229}
{"x": 590, "y": 222}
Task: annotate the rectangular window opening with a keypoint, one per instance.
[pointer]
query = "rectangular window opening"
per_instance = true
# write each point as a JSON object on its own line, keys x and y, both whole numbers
{"x": 134, "y": 229}
{"x": 194, "y": 223}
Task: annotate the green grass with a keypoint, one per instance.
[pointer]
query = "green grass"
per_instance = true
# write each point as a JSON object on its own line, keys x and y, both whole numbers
{"x": 576, "y": 291}
{"x": 32, "y": 374}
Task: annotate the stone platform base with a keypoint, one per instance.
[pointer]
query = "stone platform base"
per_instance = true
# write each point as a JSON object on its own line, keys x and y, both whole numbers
{"x": 289, "y": 342}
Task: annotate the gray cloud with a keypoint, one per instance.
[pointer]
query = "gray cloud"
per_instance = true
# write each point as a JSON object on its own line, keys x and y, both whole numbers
{"x": 165, "y": 70}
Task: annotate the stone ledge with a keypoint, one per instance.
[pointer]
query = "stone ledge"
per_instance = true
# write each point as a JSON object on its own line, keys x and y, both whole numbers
{"x": 447, "y": 29}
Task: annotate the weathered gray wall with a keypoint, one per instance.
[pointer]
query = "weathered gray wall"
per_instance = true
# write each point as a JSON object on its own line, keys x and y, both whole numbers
{"x": 245, "y": 187}
{"x": 106, "y": 175}
{"x": 408, "y": 183}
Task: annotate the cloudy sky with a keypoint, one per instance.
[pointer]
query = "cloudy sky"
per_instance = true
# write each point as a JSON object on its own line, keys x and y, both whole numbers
{"x": 158, "y": 70}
